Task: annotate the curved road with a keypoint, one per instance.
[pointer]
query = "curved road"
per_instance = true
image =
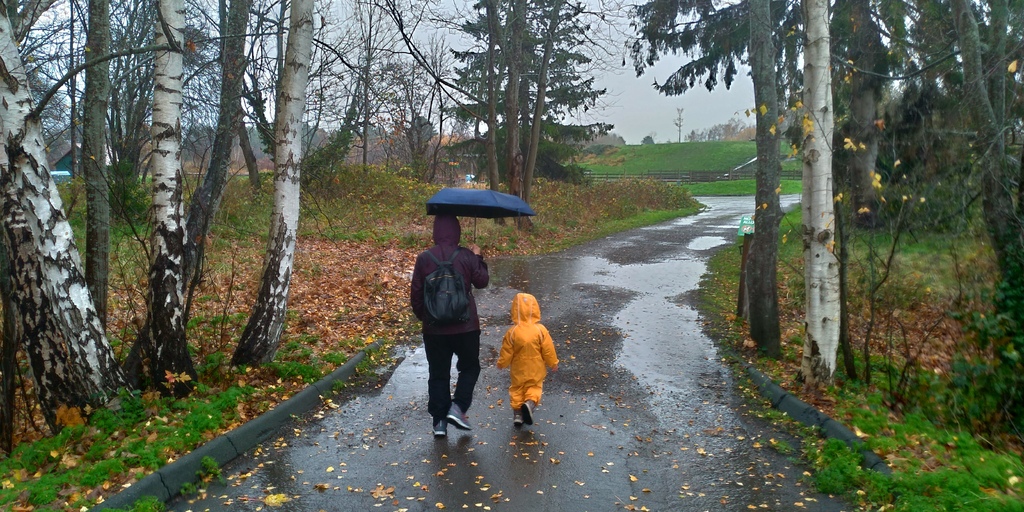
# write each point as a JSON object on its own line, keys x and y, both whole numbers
{"x": 642, "y": 415}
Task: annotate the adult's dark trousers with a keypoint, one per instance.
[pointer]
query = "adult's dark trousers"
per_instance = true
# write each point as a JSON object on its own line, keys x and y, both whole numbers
{"x": 440, "y": 348}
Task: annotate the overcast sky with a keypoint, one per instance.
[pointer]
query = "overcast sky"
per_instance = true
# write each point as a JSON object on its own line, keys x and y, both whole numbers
{"x": 637, "y": 110}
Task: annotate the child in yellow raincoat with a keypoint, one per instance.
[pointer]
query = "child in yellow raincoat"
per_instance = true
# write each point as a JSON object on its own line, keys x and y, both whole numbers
{"x": 527, "y": 348}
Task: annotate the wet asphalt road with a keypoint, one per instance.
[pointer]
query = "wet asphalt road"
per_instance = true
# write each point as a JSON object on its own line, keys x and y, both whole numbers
{"x": 642, "y": 413}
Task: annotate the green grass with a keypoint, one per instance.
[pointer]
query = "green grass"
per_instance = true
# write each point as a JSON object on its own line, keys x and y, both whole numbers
{"x": 721, "y": 156}
{"x": 738, "y": 188}
{"x": 133, "y": 440}
{"x": 685, "y": 156}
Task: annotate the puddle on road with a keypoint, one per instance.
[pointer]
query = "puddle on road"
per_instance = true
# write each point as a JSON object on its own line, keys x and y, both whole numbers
{"x": 702, "y": 243}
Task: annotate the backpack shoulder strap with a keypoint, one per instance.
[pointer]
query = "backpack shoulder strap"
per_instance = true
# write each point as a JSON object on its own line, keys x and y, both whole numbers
{"x": 454, "y": 254}
{"x": 431, "y": 255}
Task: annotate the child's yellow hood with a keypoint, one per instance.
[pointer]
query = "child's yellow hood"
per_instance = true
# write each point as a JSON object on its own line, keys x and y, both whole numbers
{"x": 525, "y": 309}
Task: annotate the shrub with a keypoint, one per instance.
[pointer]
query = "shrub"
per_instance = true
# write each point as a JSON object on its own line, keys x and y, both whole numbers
{"x": 986, "y": 388}
{"x": 129, "y": 199}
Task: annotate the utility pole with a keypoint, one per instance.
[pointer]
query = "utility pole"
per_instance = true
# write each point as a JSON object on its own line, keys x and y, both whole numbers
{"x": 679, "y": 123}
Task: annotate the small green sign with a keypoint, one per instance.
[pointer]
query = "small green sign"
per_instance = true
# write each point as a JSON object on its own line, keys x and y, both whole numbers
{"x": 746, "y": 225}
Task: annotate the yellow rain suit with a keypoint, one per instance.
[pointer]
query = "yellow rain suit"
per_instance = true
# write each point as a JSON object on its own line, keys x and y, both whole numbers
{"x": 527, "y": 348}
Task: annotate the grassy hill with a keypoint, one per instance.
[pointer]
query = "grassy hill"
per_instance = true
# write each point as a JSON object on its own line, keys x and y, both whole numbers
{"x": 685, "y": 156}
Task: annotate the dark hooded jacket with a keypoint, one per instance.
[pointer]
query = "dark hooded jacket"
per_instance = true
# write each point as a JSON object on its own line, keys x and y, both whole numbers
{"x": 471, "y": 266}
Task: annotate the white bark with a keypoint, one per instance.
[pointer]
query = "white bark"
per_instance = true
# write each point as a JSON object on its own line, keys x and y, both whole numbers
{"x": 263, "y": 332}
{"x": 58, "y": 327}
{"x": 821, "y": 268}
{"x": 166, "y": 128}
{"x": 166, "y": 282}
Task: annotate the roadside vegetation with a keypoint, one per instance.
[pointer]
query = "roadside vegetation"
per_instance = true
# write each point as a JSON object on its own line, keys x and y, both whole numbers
{"x": 924, "y": 407}
{"x": 359, "y": 233}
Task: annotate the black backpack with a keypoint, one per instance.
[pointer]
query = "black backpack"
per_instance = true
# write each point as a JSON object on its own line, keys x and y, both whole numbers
{"x": 444, "y": 293}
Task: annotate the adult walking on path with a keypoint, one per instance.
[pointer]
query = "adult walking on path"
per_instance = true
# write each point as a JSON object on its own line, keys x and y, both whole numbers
{"x": 459, "y": 338}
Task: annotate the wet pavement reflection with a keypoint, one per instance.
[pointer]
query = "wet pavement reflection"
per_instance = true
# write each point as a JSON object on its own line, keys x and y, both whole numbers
{"x": 642, "y": 415}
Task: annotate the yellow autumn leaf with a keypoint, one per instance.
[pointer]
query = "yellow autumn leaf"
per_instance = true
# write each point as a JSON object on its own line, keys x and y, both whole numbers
{"x": 763, "y": 109}
{"x": 778, "y": 190}
{"x": 439, "y": 505}
{"x": 772, "y": 129}
{"x": 633, "y": 478}
{"x": 276, "y": 500}
{"x": 848, "y": 144}
{"x": 1012, "y": 68}
{"x": 808, "y": 125}
{"x": 897, "y": 163}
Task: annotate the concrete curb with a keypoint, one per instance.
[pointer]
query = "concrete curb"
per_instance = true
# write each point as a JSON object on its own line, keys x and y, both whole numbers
{"x": 810, "y": 416}
{"x": 165, "y": 483}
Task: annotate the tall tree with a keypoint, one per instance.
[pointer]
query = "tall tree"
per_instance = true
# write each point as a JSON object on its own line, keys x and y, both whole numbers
{"x": 491, "y": 144}
{"x": 262, "y": 334}
{"x": 554, "y": 46}
{"x": 985, "y": 65}
{"x": 513, "y": 49}
{"x": 549, "y": 35}
{"x": 94, "y": 157}
{"x": 760, "y": 274}
{"x": 72, "y": 364}
{"x": 821, "y": 268}
{"x": 857, "y": 153}
{"x": 206, "y": 199}
{"x": 168, "y": 356}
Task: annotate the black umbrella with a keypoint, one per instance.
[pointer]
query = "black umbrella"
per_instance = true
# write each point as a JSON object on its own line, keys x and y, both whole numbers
{"x": 475, "y": 202}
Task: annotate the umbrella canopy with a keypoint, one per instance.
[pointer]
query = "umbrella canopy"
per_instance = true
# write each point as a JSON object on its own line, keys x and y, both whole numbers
{"x": 474, "y": 202}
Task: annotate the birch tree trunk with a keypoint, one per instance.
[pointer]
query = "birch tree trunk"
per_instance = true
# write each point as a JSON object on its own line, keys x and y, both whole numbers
{"x": 764, "y": 251}
{"x": 169, "y": 361}
{"x": 94, "y": 157}
{"x": 821, "y": 268}
{"x": 262, "y": 334}
{"x": 56, "y": 322}
{"x": 8, "y": 358}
